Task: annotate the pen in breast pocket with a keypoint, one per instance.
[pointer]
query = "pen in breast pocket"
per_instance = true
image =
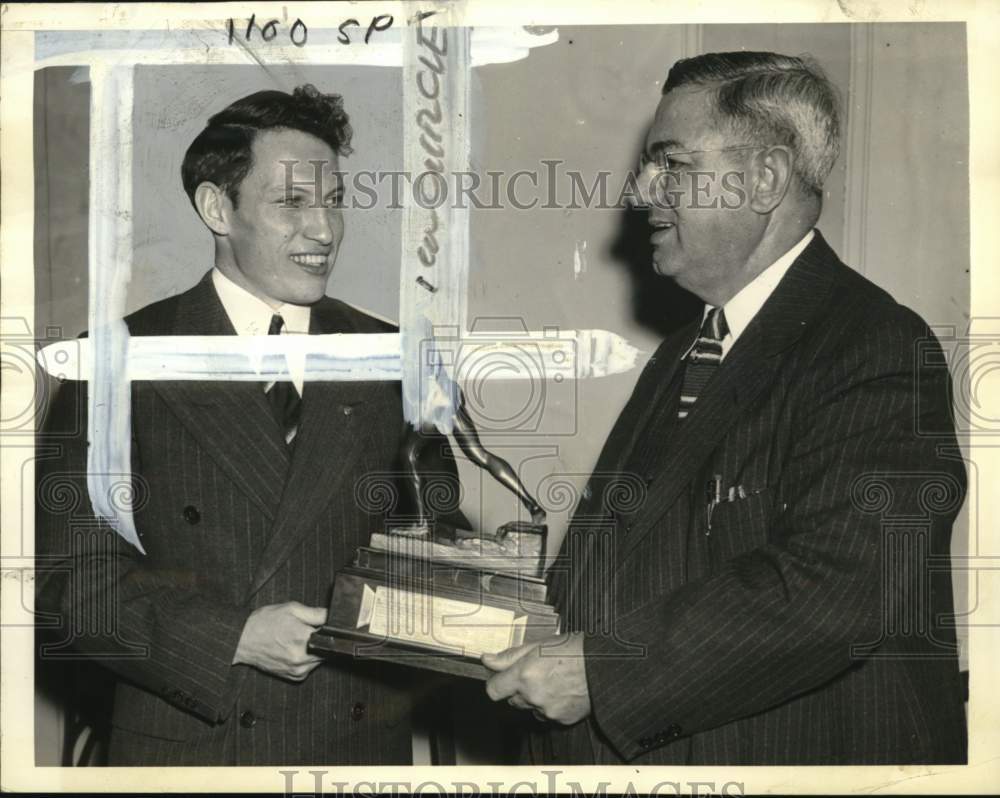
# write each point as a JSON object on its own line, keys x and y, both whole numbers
{"x": 714, "y": 491}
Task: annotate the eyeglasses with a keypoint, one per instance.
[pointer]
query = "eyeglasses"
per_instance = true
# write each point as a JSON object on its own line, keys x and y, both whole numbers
{"x": 662, "y": 159}
{"x": 670, "y": 182}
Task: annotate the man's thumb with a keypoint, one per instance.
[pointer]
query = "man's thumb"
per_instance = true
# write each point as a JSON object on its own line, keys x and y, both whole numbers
{"x": 504, "y": 659}
{"x": 314, "y": 616}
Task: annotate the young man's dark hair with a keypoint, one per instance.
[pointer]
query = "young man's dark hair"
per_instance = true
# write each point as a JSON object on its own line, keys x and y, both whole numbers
{"x": 223, "y": 152}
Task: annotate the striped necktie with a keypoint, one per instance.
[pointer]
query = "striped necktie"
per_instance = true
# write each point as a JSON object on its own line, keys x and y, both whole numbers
{"x": 286, "y": 404}
{"x": 702, "y": 360}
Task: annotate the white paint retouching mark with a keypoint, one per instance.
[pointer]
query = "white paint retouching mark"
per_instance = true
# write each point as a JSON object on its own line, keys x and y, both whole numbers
{"x": 579, "y": 260}
{"x": 567, "y": 354}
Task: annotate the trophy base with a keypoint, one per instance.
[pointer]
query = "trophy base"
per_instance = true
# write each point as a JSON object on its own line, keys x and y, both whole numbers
{"x": 327, "y": 641}
{"x": 516, "y": 548}
{"x": 432, "y": 614}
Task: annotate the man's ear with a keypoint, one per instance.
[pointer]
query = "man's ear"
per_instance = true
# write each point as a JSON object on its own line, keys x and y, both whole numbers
{"x": 213, "y": 207}
{"x": 771, "y": 176}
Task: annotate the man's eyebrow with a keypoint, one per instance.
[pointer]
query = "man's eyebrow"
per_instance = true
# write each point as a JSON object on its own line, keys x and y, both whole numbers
{"x": 299, "y": 188}
{"x": 282, "y": 185}
{"x": 667, "y": 145}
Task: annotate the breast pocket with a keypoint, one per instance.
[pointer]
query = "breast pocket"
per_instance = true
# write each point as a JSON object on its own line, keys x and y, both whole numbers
{"x": 739, "y": 525}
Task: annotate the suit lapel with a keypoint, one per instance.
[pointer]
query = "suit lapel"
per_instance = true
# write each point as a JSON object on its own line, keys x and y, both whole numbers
{"x": 649, "y": 390}
{"x": 331, "y": 438}
{"x": 644, "y": 403}
{"x": 231, "y": 420}
{"x": 748, "y": 369}
{"x": 739, "y": 380}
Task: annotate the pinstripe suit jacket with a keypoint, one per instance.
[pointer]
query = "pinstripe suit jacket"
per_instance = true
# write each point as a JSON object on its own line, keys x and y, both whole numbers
{"x": 230, "y": 522}
{"x": 809, "y": 622}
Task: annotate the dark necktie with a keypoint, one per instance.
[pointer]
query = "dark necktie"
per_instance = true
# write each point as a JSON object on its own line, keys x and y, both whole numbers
{"x": 286, "y": 404}
{"x": 703, "y": 359}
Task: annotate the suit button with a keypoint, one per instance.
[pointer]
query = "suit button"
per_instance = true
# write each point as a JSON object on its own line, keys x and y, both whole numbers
{"x": 191, "y": 514}
{"x": 248, "y": 720}
{"x": 674, "y": 731}
{"x": 358, "y": 711}
{"x": 645, "y": 742}
{"x": 347, "y": 410}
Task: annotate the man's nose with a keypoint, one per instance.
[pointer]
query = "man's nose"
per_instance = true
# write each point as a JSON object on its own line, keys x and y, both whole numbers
{"x": 320, "y": 225}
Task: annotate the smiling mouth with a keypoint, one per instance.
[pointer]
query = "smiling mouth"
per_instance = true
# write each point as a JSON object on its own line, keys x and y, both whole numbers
{"x": 312, "y": 262}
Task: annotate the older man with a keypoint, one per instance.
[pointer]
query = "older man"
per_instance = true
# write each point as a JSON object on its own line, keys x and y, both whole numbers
{"x": 246, "y": 490}
{"x": 762, "y": 603}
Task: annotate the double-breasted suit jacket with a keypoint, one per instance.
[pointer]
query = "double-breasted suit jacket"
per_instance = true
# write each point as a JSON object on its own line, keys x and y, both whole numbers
{"x": 230, "y": 521}
{"x": 807, "y": 620}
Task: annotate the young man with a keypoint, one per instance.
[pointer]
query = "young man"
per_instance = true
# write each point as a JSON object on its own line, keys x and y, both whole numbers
{"x": 247, "y": 490}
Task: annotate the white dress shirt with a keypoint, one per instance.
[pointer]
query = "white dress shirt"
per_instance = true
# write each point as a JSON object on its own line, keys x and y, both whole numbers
{"x": 741, "y": 309}
{"x": 251, "y": 315}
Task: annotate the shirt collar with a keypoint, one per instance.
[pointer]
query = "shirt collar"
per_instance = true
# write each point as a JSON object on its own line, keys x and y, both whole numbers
{"x": 251, "y": 315}
{"x": 741, "y": 308}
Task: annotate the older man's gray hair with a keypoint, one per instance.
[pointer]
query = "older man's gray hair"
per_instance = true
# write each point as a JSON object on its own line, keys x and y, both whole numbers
{"x": 769, "y": 99}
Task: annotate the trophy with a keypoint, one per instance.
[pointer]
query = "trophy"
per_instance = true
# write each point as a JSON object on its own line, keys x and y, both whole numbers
{"x": 430, "y": 591}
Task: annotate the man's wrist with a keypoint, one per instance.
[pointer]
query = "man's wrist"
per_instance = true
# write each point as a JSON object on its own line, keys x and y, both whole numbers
{"x": 238, "y": 658}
